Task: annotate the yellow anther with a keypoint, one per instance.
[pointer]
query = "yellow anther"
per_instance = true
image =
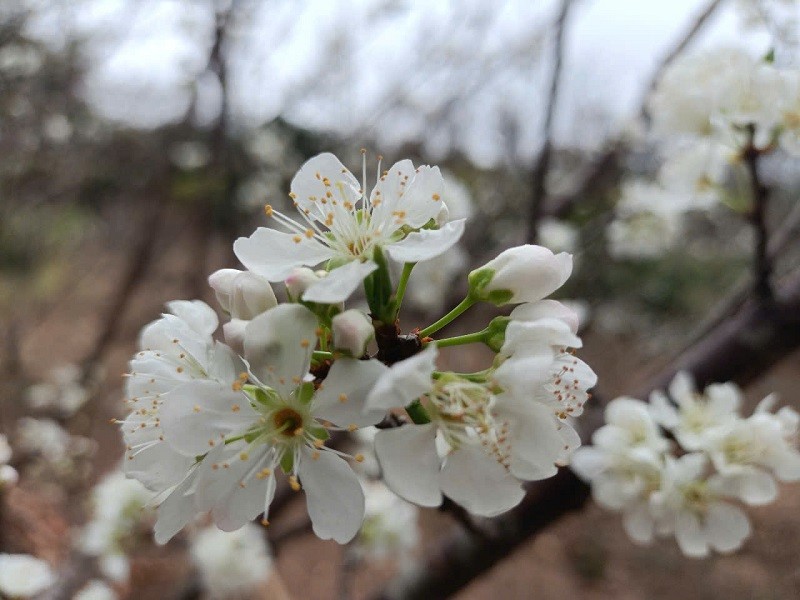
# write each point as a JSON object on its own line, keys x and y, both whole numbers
{"x": 236, "y": 386}
{"x": 342, "y": 398}
{"x": 268, "y": 209}
{"x": 265, "y": 522}
{"x": 315, "y": 455}
{"x": 197, "y": 408}
{"x": 293, "y": 483}
{"x": 309, "y": 233}
{"x": 359, "y": 458}
{"x": 352, "y": 427}
{"x": 179, "y": 369}
{"x": 305, "y": 343}
{"x": 244, "y": 456}
{"x": 243, "y": 375}
{"x": 436, "y": 197}
{"x": 319, "y": 443}
{"x": 298, "y": 432}
{"x": 297, "y": 239}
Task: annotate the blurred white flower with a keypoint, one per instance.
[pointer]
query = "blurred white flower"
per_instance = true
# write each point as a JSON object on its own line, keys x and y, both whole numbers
{"x": 390, "y": 528}
{"x": 24, "y": 576}
{"x": 95, "y": 590}
{"x": 559, "y": 236}
{"x": 189, "y": 155}
{"x": 231, "y": 563}
{"x": 643, "y": 234}
{"x": 61, "y": 392}
{"x": 44, "y": 437}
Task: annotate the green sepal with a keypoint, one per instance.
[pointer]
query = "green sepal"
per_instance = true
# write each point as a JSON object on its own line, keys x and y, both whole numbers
{"x": 496, "y": 333}
{"x": 305, "y": 393}
{"x": 319, "y": 432}
{"x": 287, "y": 462}
{"x": 418, "y": 413}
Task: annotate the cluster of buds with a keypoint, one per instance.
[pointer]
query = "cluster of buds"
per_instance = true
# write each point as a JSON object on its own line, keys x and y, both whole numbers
{"x": 212, "y": 424}
{"x": 684, "y": 484}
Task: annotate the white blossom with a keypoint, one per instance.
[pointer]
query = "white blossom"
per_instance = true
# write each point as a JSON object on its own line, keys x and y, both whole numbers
{"x": 95, "y": 590}
{"x": 242, "y": 294}
{"x": 231, "y": 563}
{"x": 244, "y": 433}
{"x": 521, "y": 274}
{"x": 342, "y": 224}
{"x": 24, "y": 576}
{"x": 390, "y": 528}
{"x": 62, "y": 392}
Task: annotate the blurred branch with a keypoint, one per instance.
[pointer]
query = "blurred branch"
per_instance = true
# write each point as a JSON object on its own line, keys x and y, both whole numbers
{"x": 596, "y": 177}
{"x": 542, "y": 167}
{"x": 762, "y": 265}
{"x": 739, "y": 350}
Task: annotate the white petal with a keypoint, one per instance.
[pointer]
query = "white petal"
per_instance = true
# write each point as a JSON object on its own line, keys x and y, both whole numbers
{"x": 404, "y": 381}
{"x": 479, "y": 483}
{"x": 308, "y": 185}
{"x": 333, "y": 494}
{"x": 754, "y": 486}
{"x": 546, "y": 309}
{"x": 342, "y": 397}
{"x": 278, "y": 345}
{"x": 663, "y": 411}
{"x": 410, "y": 462}
{"x": 195, "y": 313}
{"x": 540, "y": 333}
{"x": 274, "y": 254}
{"x": 175, "y": 512}
{"x": 340, "y": 283}
{"x": 589, "y": 462}
{"x": 689, "y": 535}
{"x": 156, "y": 465}
{"x": 682, "y": 388}
{"x": 520, "y": 374}
{"x": 387, "y": 193}
{"x": 225, "y": 365}
{"x": 198, "y": 415}
{"x": 534, "y": 438}
{"x": 422, "y": 199}
{"x": 727, "y": 527}
{"x": 427, "y": 243}
{"x": 638, "y": 523}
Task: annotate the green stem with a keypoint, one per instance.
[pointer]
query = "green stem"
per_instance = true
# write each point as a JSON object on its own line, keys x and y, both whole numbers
{"x": 418, "y": 413}
{"x": 321, "y": 355}
{"x": 477, "y": 376}
{"x": 462, "y": 306}
{"x": 469, "y": 338}
{"x": 401, "y": 286}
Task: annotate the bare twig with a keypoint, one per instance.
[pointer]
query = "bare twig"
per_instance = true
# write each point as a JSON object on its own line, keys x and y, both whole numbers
{"x": 739, "y": 350}
{"x": 762, "y": 265}
{"x": 542, "y": 166}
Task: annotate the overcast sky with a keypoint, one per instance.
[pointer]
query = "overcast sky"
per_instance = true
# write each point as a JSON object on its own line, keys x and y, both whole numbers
{"x": 452, "y": 74}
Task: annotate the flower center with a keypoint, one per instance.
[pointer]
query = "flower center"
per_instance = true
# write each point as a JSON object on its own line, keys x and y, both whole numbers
{"x": 288, "y": 421}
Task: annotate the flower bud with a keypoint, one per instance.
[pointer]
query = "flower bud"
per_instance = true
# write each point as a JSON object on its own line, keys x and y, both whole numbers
{"x": 522, "y": 274}
{"x": 242, "y": 294}
{"x": 352, "y": 331}
{"x": 233, "y": 331}
{"x": 299, "y": 280}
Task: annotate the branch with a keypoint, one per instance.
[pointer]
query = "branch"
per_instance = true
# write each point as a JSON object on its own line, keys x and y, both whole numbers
{"x": 738, "y": 350}
{"x": 542, "y": 166}
{"x": 762, "y": 265}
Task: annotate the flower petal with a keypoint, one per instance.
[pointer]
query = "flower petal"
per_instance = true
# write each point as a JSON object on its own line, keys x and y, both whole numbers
{"x": 727, "y": 527}
{"x": 427, "y": 243}
{"x": 333, "y": 494}
{"x": 196, "y": 415}
{"x": 342, "y": 397}
{"x": 196, "y": 314}
{"x": 340, "y": 283}
{"x": 410, "y": 462}
{"x": 319, "y": 175}
{"x": 422, "y": 199}
{"x": 175, "y": 512}
{"x": 278, "y": 345}
{"x": 404, "y": 381}
{"x": 479, "y": 483}
{"x": 274, "y": 254}
{"x": 639, "y": 523}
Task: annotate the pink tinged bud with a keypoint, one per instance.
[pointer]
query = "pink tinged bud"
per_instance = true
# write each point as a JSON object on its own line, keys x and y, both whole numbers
{"x": 352, "y": 331}
{"x": 242, "y": 294}
{"x": 234, "y": 334}
{"x": 522, "y": 274}
{"x": 299, "y": 280}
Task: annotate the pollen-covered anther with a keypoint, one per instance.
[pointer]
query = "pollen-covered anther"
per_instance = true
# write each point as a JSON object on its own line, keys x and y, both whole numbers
{"x": 342, "y": 398}
{"x": 298, "y": 432}
{"x": 436, "y": 197}
{"x": 236, "y": 386}
{"x": 196, "y": 408}
{"x": 352, "y": 427}
{"x": 305, "y": 343}
{"x": 264, "y": 473}
{"x": 359, "y": 458}
{"x": 265, "y": 522}
{"x": 244, "y": 456}
{"x": 315, "y": 455}
{"x": 293, "y": 483}
{"x": 297, "y": 239}
{"x": 318, "y": 443}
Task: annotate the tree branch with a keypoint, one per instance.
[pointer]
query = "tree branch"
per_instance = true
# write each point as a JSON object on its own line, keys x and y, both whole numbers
{"x": 542, "y": 166}
{"x": 762, "y": 265}
{"x": 737, "y": 350}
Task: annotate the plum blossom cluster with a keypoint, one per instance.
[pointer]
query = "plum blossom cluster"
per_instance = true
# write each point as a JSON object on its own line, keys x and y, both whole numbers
{"x": 711, "y": 111}
{"x": 684, "y": 468}
{"x": 213, "y": 425}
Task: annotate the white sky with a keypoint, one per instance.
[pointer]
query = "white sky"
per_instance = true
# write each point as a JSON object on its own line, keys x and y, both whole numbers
{"x": 456, "y": 74}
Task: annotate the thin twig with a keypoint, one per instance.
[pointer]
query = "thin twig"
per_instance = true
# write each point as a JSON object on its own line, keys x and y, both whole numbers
{"x": 542, "y": 167}
{"x": 762, "y": 265}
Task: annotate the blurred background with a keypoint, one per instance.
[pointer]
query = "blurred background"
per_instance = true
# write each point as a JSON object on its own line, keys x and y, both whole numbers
{"x": 139, "y": 138}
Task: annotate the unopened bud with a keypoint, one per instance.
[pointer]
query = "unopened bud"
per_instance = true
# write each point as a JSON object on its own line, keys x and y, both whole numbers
{"x": 299, "y": 280}
{"x": 242, "y": 294}
{"x": 352, "y": 331}
{"x": 8, "y": 477}
{"x": 522, "y": 274}
{"x": 233, "y": 331}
